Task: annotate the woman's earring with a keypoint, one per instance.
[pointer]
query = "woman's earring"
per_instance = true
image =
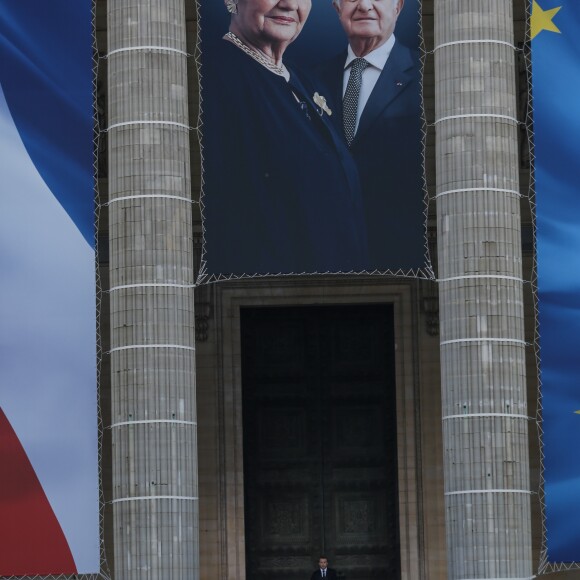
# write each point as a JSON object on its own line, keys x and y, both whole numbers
{"x": 232, "y": 6}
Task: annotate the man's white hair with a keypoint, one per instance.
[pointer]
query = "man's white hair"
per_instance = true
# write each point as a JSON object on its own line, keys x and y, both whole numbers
{"x": 339, "y": 2}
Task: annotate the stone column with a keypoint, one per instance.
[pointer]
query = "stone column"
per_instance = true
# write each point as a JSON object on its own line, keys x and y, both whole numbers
{"x": 154, "y": 429}
{"x": 485, "y": 418}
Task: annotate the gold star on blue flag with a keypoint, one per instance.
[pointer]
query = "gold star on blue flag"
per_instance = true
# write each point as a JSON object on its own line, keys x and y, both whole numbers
{"x": 542, "y": 19}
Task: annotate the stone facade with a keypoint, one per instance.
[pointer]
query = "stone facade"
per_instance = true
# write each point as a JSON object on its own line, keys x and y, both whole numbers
{"x": 422, "y": 508}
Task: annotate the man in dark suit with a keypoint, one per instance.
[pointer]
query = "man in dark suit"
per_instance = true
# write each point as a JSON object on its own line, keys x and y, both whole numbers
{"x": 376, "y": 103}
{"x": 323, "y": 570}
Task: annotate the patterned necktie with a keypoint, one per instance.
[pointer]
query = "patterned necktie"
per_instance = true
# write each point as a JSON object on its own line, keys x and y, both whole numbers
{"x": 351, "y": 95}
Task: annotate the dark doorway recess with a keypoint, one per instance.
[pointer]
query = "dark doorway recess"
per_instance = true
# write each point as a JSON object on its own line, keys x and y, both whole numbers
{"x": 320, "y": 469}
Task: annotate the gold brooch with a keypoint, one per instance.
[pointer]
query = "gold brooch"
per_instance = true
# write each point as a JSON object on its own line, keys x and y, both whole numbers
{"x": 321, "y": 102}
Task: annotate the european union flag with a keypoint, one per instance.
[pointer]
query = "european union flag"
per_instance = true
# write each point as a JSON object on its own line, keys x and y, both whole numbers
{"x": 555, "y": 29}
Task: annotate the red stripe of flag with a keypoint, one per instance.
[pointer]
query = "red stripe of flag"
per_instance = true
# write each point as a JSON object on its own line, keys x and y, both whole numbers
{"x": 31, "y": 538}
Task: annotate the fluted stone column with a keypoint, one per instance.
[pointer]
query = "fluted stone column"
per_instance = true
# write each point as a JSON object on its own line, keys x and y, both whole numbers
{"x": 151, "y": 275}
{"x": 481, "y": 306}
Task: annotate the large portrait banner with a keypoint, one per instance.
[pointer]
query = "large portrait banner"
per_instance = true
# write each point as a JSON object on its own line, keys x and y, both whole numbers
{"x": 555, "y": 26}
{"x": 312, "y": 138}
{"x": 49, "y": 485}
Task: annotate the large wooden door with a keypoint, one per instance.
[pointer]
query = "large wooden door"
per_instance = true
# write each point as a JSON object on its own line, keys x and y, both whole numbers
{"x": 320, "y": 473}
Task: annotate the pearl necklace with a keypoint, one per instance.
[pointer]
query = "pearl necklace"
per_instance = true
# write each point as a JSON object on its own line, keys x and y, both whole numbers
{"x": 256, "y": 55}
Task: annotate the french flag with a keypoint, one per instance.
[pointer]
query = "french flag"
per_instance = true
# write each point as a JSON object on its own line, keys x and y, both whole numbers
{"x": 49, "y": 491}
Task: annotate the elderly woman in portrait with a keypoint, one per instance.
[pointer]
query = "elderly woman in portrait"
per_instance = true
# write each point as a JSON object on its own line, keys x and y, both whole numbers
{"x": 280, "y": 190}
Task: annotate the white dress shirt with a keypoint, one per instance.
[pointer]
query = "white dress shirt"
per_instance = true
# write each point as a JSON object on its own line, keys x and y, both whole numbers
{"x": 377, "y": 60}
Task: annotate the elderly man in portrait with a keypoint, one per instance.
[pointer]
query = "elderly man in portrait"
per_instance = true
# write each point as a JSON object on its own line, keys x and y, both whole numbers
{"x": 375, "y": 90}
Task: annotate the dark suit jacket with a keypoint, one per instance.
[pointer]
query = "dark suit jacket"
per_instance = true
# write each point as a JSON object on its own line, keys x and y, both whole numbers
{"x": 281, "y": 192}
{"x": 330, "y": 574}
{"x": 388, "y": 151}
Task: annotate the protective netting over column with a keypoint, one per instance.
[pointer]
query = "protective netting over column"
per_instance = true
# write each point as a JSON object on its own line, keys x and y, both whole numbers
{"x": 151, "y": 275}
{"x": 485, "y": 419}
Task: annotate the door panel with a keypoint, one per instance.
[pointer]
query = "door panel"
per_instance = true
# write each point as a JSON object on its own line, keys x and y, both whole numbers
{"x": 319, "y": 432}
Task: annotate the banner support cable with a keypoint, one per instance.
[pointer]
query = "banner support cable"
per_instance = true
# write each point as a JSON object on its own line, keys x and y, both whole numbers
{"x": 150, "y": 195}
{"x": 483, "y": 189}
{"x": 161, "y": 122}
{"x": 488, "y": 491}
{"x": 104, "y": 570}
{"x": 150, "y": 421}
{"x": 482, "y": 41}
{"x": 478, "y": 116}
{"x": 154, "y": 498}
{"x": 137, "y": 346}
{"x": 504, "y": 578}
{"x": 490, "y": 415}
{"x": 146, "y": 47}
{"x": 516, "y": 341}
{"x": 150, "y": 285}
{"x": 482, "y": 277}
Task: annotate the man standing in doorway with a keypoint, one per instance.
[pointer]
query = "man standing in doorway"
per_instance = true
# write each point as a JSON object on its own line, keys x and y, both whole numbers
{"x": 374, "y": 88}
{"x": 323, "y": 570}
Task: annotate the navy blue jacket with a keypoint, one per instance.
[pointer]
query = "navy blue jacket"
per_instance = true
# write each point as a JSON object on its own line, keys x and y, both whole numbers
{"x": 281, "y": 193}
{"x": 388, "y": 152}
